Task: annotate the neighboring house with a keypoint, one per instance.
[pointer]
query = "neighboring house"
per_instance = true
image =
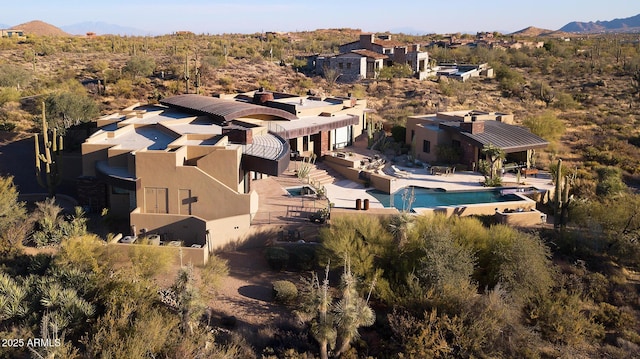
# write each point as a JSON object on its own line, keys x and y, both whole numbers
{"x": 355, "y": 65}
{"x": 467, "y": 132}
{"x": 183, "y": 168}
{"x": 463, "y": 72}
{"x": 380, "y": 51}
{"x": 12, "y": 33}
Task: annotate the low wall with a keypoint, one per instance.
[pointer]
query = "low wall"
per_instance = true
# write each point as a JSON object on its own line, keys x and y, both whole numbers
{"x": 380, "y": 182}
{"x": 349, "y": 172}
{"x": 378, "y": 212}
{"x": 521, "y": 219}
{"x": 349, "y": 161}
{"x": 195, "y": 256}
{"x": 481, "y": 209}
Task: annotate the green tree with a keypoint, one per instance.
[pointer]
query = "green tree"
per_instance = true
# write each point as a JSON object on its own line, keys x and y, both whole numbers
{"x": 547, "y": 125}
{"x": 66, "y": 109}
{"x": 511, "y": 82}
{"x": 140, "y": 66}
{"x": 446, "y": 266}
{"x": 14, "y": 224}
{"x": 610, "y": 182}
{"x": 395, "y": 71}
{"x": 494, "y": 154}
{"x": 13, "y": 76}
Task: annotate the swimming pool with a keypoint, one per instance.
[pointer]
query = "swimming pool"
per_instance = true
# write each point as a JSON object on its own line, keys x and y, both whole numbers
{"x": 433, "y": 198}
{"x": 300, "y": 191}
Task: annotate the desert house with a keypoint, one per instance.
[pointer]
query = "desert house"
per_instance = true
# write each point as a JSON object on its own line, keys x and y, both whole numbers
{"x": 183, "y": 168}
{"x": 466, "y": 133}
{"x": 364, "y": 58}
{"x": 13, "y": 33}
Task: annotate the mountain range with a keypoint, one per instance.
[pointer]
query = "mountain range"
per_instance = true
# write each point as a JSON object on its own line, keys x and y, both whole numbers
{"x": 625, "y": 25}
{"x": 629, "y": 24}
{"x": 103, "y": 28}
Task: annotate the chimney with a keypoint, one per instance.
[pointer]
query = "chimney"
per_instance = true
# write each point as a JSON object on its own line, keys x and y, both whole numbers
{"x": 261, "y": 96}
{"x": 473, "y": 127}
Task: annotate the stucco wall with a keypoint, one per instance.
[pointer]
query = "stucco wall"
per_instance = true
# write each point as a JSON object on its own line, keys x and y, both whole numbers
{"x": 481, "y": 209}
{"x": 211, "y": 199}
{"x": 521, "y": 219}
{"x": 223, "y": 164}
{"x": 90, "y": 155}
{"x": 228, "y": 230}
{"x": 189, "y": 229}
{"x": 195, "y": 256}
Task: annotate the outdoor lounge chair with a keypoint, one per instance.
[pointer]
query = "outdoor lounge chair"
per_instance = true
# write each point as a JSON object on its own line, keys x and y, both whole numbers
{"x": 399, "y": 173}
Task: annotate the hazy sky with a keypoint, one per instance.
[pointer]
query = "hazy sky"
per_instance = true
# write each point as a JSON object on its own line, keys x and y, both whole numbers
{"x": 251, "y": 16}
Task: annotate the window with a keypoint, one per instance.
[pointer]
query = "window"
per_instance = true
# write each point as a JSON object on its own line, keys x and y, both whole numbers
{"x": 348, "y": 65}
{"x": 456, "y": 144}
{"x": 426, "y": 146}
{"x": 340, "y": 65}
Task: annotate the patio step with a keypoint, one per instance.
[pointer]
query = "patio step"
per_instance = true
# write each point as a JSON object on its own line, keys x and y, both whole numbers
{"x": 320, "y": 177}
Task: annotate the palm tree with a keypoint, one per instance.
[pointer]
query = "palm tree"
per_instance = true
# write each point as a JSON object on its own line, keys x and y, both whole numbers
{"x": 399, "y": 226}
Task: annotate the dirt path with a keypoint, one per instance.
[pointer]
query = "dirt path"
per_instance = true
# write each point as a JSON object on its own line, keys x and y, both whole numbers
{"x": 247, "y": 293}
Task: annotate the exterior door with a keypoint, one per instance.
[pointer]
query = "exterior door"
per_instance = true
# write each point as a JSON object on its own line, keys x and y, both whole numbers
{"x": 155, "y": 200}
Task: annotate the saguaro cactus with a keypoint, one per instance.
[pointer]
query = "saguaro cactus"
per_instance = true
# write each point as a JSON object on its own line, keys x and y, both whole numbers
{"x": 561, "y": 197}
{"x": 49, "y": 162}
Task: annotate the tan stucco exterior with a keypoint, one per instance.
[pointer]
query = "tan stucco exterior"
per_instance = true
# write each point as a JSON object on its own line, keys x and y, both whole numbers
{"x": 184, "y": 174}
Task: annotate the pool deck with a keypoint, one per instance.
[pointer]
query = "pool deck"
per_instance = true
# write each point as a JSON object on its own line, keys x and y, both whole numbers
{"x": 345, "y": 192}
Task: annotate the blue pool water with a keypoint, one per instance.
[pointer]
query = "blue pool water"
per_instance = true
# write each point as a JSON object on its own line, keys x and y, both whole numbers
{"x": 431, "y": 198}
{"x": 300, "y": 191}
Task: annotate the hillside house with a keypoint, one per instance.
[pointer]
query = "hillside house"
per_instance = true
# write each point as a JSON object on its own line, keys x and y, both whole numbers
{"x": 183, "y": 168}
{"x": 12, "y": 33}
{"x": 380, "y": 51}
{"x": 464, "y": 72}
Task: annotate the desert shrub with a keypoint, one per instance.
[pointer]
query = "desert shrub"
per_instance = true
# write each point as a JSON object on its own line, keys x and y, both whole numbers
{"x": 492, "y": 182}
{"x": 277, "y": 257}
{"x": 9, "y": 94}
{"x": 613, "y": 317}
{"x": 448, "y": 153}
{"x": 13, "y": 76}
{"x": 303, "y": 257}
{"x": 7, "y": 126}
{"x": 565, "y": 101}
{"x": 399, "y": 133}
{"x": 546, "y": 125}
{"x": 609, "y": 181}
{"x": 562, "y": 318}
{"x": 284, "y": 291}
{"x": 123, "y": 88}
{"x": 596, "y": 287}
{"x": 140, "y": 66}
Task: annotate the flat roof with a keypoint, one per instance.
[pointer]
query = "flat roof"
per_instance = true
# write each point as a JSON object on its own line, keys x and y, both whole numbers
{"x": 197, "y": 126}
{"x": 150, "y": 137}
